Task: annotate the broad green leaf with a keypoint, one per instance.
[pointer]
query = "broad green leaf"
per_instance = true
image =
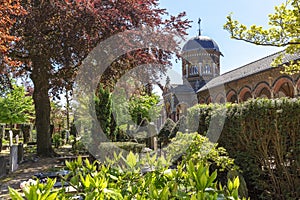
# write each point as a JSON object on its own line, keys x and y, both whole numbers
{"x": 131, "y": 160}
{"x": 14, "y": 194}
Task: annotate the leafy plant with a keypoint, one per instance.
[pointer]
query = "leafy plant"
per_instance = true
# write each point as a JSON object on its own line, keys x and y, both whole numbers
{"x": 57, "y": 140}
{"x": 146, "y": 177}
{"x": 16, "y": 107}
{"x": 143, "y": 106}
{"x": 36, "y": 190}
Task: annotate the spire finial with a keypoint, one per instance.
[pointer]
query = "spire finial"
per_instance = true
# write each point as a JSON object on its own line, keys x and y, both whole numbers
{"x": 199, "y": 23}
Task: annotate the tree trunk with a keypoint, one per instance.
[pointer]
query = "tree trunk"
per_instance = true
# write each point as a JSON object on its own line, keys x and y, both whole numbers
{"x": 40, "y": 78}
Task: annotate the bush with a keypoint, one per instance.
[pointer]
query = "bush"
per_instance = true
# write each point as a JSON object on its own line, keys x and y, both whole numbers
{"x": 108, "y": 181}
{"x": 165, "y": 132}
{"x": 78, "y": 147}
{"x": 198, "y": 149}
{"x": 57, "y": 140}
{"x": 127, "y": 146}
{"x": 180, "y": 126}
{"x": 263, "y": 136}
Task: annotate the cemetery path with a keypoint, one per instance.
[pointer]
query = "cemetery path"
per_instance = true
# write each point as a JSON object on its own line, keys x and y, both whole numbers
{"x": 28, "y": 168}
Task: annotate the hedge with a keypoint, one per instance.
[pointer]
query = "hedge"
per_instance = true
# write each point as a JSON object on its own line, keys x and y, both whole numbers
{"x": 263, "y": 136}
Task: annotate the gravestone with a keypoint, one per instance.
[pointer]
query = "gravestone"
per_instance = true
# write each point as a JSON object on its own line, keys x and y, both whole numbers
{"x": 17, "y": 139}
{"x": 152, "y": 136}
{"x": 13, "y": 158}
{"x": 10, "y": 138}
{"x": 153, "y": 143}
{"x": 20, "y": 153}
{"x": 2, "y": 134}
{"x": 2, "y": 166}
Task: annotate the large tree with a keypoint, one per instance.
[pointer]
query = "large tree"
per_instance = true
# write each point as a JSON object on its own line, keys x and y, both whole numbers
{"x": 58, "y": 35}
{"x": 284, "y": 31}
{"x": 9, "y": 9}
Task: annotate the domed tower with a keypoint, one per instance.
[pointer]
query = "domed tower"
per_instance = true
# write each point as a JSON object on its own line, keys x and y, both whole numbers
{"x": 200, "y": 60}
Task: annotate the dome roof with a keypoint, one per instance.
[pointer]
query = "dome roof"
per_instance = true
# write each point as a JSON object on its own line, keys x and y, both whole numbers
{"x": 200, "y": 42}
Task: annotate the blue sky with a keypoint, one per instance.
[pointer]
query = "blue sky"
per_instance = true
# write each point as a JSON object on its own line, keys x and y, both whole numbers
{"x": 213, "y": 16}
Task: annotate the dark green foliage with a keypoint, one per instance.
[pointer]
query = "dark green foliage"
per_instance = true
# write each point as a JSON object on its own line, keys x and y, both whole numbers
{"x": 263, "y": 136}
{"x": 166, "y": 131}
{"x": 103, "y": 107}
{"x": 180, "y": 126}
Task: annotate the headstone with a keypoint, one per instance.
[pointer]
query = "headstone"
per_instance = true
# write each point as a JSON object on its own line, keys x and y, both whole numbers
{"x": 11, "y": 138}
{"x": 67, "y": 136}
{"x": 13, "y": 158}
{"x": 152, "y": 139}
{"x": 20, "y": 153}
{"x": 17, "y": 139}
{"x": 2, "y": 166}
{"x": 2, "y": 134}
{"x": 153, "y": 143}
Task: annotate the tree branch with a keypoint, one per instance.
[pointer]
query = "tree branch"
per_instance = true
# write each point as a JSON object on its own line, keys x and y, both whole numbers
{"x": 266, "y": 44}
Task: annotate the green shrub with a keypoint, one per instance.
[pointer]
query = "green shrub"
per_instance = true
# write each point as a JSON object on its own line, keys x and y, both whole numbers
{"x": 127, "y": 146}
{"x": 108, "y": 181}
{"x": 78, "y": 147}
{"x": 57, "y": 140}
{"x": 180, "y": 126}
{"x": 263, "y": 136}
{"x": 165, "y": 132}
{"x": 198, "y": 149}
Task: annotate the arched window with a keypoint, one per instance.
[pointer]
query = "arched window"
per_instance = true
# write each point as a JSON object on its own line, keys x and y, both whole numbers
{"x": 207, "y": 69}
{"x": 193, "y": 70}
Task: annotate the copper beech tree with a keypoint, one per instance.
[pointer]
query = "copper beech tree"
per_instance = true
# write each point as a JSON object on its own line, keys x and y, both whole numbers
{"x": 9, "y": 9}
{"x": 57, "y": 35}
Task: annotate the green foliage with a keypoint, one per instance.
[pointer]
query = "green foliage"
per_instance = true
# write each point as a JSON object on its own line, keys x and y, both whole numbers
{"x": 78, "y": 147}
{"x": 57, "y": 140}
{"x": 36, "y": 190}
{"x": 103, "y": 108}
{"x": 166, "y": 131}
{"x": 143, "y": 106}
{"x": 283, "y": 32}
{"x": 263, "y": 137}
{"x": 109, "y": 181}
{"x": 197, "y": 148}
{"x": 180, "y": 126}
{"x": 16, "y": 107}
{"x": 127, "y": 146}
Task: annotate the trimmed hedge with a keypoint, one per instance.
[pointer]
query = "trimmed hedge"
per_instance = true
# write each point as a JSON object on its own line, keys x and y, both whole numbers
{"x": 263, "y": 136}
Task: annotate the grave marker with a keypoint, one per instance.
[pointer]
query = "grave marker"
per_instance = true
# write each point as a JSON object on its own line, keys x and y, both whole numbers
{"x": 20, "y": 153}
{"x": 2, "y": 166}
{"x": 13, "y": 158}
{"x": 10, "y": 138}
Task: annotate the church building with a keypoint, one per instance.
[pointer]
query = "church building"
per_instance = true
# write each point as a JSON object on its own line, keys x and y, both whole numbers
{"x": 203, "y": 83}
